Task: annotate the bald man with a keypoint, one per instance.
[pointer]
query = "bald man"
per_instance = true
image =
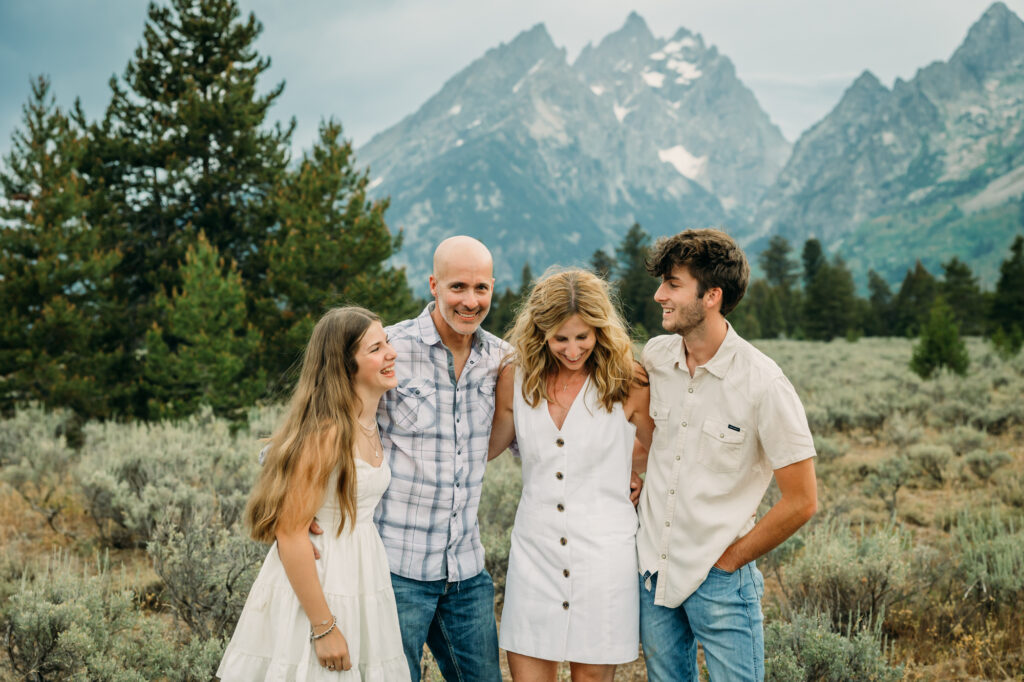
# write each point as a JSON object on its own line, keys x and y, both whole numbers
{"x": 435, "y": 427}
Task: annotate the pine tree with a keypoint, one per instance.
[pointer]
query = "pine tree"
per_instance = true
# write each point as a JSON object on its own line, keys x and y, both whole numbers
{"x": 634, "y": 286}
{"x": 779, "y": 268}
{"x": 504, "y": 308}
{"x": 1006, "y": 314}
{"x": 55, "y": 280}
{"x": 813, "y": 259}
{"x": 763, "y": 300}
{"x": 602, "y": 264}
{"x": 330, "y": 247}
{"x": 960, "y": 288}
{"x": 830, "y": 302}
{"x": 183, "y": 148}
{"x": 782, "y": 274}
{"x": 202, "y": 351}
{"x": 940, "y": 344}
{"x": 914, "y": 301}
{"x": 879, "y": 318}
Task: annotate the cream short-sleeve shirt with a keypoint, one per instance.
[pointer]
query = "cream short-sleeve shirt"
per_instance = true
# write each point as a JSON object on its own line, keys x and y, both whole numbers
{"x": 718, "y": 437}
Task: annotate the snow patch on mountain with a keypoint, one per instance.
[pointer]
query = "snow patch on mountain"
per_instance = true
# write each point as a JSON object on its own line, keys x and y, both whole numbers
{"x": 621, "y": 112}
{"x": 653, "y": 78}
{"x": 682, "y": 160}
{"x": 688, "y": 71}
{"x": 454, "y": 111}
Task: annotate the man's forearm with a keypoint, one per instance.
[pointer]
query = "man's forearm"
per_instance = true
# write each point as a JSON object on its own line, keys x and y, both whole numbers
{"x": 798, "y": 503}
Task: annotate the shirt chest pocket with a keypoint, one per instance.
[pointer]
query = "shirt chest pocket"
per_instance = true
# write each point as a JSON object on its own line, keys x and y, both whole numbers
{"x": 484, "y": 403}
{"x": 722, "y": 446}
{"x": 416, "y": 409}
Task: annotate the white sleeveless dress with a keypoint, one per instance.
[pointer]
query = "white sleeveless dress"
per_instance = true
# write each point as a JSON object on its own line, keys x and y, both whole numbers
{"x": 271, "y": 640}
{"x": 571, "y": 593}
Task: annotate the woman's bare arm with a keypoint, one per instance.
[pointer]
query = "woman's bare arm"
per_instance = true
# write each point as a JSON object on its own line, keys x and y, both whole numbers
{"x": 503, "y": 431}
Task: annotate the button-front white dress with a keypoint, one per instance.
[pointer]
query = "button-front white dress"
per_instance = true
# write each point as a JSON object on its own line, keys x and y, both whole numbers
{"x": 571, "y": 593}
{"x": 271, "y": 640}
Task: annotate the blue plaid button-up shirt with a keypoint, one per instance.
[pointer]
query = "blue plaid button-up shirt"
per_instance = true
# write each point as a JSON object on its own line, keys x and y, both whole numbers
{"x": 435, "y": 431}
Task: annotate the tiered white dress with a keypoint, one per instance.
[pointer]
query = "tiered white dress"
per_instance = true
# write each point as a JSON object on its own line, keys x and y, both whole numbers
{"x": 271, "y": 640}
{"x": 571, "y": 593}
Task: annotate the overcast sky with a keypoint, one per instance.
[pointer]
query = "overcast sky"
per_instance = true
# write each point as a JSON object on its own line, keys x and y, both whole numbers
{"x": 369, "y": 63}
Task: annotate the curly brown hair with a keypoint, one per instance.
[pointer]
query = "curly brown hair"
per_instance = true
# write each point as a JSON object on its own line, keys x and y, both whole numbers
{"x": 713, "y": 259}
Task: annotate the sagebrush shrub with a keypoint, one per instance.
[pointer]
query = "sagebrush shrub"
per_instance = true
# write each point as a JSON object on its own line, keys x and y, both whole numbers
{"x": 206, "y": 565}
{"x": 68, "y": 622}
{"x": 830, "y": 449}
{"x": 499, "y": 499}
{"x": 983, "y": 463}
{"x": 1010, "y": 488}
{"x": 849, "y": 575}
{"x": 930, "y": 462}
{"x": 887, "y": 478}
{"x": 964, "y": 439}
{"x": 36, "y": 461}
{"x": 902, "y": 430}
{"x": 134, "y": 475}
{"x": 989, "y": 553}
{"x": 808, "y": 648}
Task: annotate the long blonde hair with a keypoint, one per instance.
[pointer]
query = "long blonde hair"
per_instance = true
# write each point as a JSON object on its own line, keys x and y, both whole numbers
{"x": 554, "y": 299}
{"x": 318, "y": 432}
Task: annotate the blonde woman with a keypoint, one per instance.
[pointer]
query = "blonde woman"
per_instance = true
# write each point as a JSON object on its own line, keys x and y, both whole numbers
{"x": 332, "y": 618}
{"x": 574, "y": 400}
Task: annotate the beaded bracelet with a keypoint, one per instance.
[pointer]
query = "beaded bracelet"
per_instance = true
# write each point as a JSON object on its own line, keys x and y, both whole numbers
{"x": 313, "y": 637}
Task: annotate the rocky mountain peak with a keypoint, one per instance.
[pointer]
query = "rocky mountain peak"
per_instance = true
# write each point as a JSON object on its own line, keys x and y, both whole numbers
{"x": 534, "y": 43}
{"x": 635, "y": 26}
{"x": 623, "y": 48}
{"x": 865, "y": 92}
{"x": 994, "y": 43}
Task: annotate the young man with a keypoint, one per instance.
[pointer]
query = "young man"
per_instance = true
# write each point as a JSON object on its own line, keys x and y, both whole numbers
{"x": 726, "y": 420}
{"x": 434, "y": 428}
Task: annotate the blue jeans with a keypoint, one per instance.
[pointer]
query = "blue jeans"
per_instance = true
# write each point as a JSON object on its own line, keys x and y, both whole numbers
{"x": 724, "y": 614}
{"x": 456, "y": 620}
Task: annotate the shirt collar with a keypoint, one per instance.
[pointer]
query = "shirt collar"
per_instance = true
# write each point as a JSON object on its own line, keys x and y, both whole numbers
{"x": 720, "y": 362}
{"x": 428, "y": 330}
{"x": 425, "y": 324}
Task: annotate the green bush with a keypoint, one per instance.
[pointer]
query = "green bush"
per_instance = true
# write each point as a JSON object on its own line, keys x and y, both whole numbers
{"x": 808, "y": 648}
{"x": 903, "y": 430}
{"x": 983, "y": 463}
{"x": 1010, "y": 488}
{"x": 206, "y": 565}
{"x": 65, "y": 622}
{"x": 830, "y": 449}
{"x": 503, "y": 485}
{"x": 885, "y": 480}
{"x": 930, "y": 462}
{"x": 989, "y": 548}
{"x": 850, "y": 576}
{"x": 940, "y": 344}
{"x": 134, "y": 475}
{"x": 964, "y": 439}
{"x": 36, "y": 461}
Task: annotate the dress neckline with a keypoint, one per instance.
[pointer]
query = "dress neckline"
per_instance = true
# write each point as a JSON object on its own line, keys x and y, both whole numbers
{"x": 568, "y": 412}
{"x": 372, "y": 466}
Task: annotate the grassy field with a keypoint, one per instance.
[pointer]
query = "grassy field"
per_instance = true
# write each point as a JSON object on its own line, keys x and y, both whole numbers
{"x": 123, "y": 557}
